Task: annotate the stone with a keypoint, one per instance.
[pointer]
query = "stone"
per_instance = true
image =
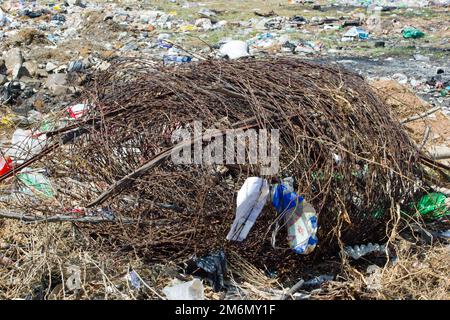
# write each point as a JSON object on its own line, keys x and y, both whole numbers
{"x": 75, "y": 3}
{"x": 3, "y": 79}
{"x": 41, "y": 73}
{"x": 31, "y": 68}
{"x": 13, "y": 58}
{"x": 2, "y": 66}
{"x": 19, "y": 71}
{"x": 420, "y": 57}
{"x": 56, "y": 83}
{"x": 50, "y": 66}
{"x": 56, "y": 79}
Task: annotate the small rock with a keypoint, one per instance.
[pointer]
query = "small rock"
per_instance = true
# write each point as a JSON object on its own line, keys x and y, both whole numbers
{"x": 13, "y": 58}
{"x": 420, "y": 57}
{"x": 3, "y": 79}
{"x": 31, "y": 67}
{"x": 50, "y": 67}
{"x": 379, "y": 44}
{"x": 75, "y": 3}
{"x": 401, "y": 78}
{"x": 41, "y": 73}
{"x": 19, "y": 71}
{"x": 56, "y": 83}
{"x": 56, "y": 79}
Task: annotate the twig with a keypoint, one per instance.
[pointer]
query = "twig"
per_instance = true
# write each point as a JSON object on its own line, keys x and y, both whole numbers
{"x": 120, "y": 184}
{"x": 426, "y": 135}
{"x": 420, "y": 116}
{"x": 61, "y": 218}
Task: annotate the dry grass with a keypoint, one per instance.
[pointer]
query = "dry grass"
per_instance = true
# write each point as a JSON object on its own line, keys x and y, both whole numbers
{"x": 40, "y": 262}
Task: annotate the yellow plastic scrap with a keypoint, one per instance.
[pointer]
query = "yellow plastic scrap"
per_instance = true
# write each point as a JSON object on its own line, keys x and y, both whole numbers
{"x": 173, "y": 13}
{"x": 188, "y": 27}
{"x": 7, "y": 120}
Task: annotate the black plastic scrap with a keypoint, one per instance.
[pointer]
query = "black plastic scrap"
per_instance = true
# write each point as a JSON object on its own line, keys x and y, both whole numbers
{"x": 215, "y": 265}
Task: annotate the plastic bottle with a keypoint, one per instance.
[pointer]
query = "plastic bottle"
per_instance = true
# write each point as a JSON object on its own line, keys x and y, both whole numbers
{"x": 357, "y": 252}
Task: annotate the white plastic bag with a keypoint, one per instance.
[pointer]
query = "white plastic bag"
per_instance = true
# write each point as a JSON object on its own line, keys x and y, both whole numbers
{"x": 192, "y": 290}
{"x": 234, "y": 49}
{"x": 25, "y": 144}
{"x": 251, "y": 199}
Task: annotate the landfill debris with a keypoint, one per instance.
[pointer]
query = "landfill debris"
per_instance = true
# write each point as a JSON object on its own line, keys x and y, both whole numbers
{"x": 250, "y": 201}
{"x": 355, "y": 33}
{"x": 94, "y": 93}
{"x": 192, "y": 290}
{"x": 373, "y": 278}
{"x": 234, "y": 49}
{"x": 215, "y": 265}
{"x": 359, "y": 251}
{"x": 73, "y": 281}
{"x": 433, "y": 205}
{"x": 78, "y": 110}
{"x": 36, "y": 182}
{"x": 26, "y": 143}
{"x": 300, "y": 216}
{"x": 317, "y": 281}
{"x": 412, "y": 33}
{"x": 134, "y": 279}
{"x": 5, "y": 165}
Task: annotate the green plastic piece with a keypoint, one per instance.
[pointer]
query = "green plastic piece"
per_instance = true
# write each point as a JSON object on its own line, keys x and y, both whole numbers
{"x": 410, "y": 32}
{"x": 37, "y": 182}
{"x": 433, "y": 205}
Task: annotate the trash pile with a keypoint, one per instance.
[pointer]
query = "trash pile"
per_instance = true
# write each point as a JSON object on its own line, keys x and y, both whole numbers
{"x": 198, "y": 151}
{"x": 344, "y": 162}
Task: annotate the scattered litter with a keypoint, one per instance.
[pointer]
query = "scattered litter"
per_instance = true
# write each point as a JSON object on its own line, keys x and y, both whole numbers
{"x": 433, "y": 205}
{"x": 300, "y": 216}
{"x": 412, "y": 33}
{"x": 250, "y": 201}
{"x": 176, "y": 59}
{"x": 25, "y": 143}
{"x": 355, "y": 33}
{"x": 192, "y": 290}
{"x": 234, "y": 49}
{"x": 317, "y": 281}
{"x": 134, "y": 279}
{"x": 359, "y": 251}
{"x": 36, "y": 182}
{"x": 78, "y": 110}
{"x": 73, "y": 281}
{"x": 6, "y": 165}
{"x": 215, "y": 266}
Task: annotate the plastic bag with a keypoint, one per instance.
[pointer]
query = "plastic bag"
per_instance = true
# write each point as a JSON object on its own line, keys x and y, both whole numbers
{"x": 192, "y": 290}
{"x": 250, "y": 201}
{"x": 234, "y": 49}
{"x": 410, "y": 32}
{"x": 215, "y": 266}
{"x": 300, "y": 217}
{"x": 37, "y": 182}
{"x": 26, "y": 144}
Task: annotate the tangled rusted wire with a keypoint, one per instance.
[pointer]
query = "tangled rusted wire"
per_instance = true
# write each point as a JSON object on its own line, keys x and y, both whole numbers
{"x": 350, "y": 158}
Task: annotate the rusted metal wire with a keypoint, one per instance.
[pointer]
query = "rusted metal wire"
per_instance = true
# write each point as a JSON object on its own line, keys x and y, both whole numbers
{"x": 322, "y": 112}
